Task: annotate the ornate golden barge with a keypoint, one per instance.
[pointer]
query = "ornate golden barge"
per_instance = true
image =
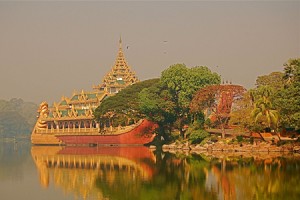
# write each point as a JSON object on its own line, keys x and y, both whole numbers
{"x": 71, "y": 121}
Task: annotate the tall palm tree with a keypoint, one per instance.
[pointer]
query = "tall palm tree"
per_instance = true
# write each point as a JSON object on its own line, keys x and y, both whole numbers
{"x": 264, "y": 111}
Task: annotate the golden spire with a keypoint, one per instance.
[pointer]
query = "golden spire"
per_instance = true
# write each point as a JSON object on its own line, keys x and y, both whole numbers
{"x": 120, "y": 59}
{"x": 120, "y": 75}
{"x": 120, "y": 42}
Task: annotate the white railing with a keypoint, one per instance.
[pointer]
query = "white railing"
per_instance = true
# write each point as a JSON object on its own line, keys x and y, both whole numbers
{"x": 89, "y": 131}
{"x": 66, "y": 131}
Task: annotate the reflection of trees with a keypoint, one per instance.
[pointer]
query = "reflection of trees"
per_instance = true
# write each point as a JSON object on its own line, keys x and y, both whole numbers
{"x": 130, "y": 186}
{"x": 119, "y": 184}
{"x": 197, "y": 178}
{"x": 217, "y": 180}
{"x": 192, "y": 177}
{"x": 175, "y": 178}
{"x": 13, "y": 157}
{"x": 275, "y": 178}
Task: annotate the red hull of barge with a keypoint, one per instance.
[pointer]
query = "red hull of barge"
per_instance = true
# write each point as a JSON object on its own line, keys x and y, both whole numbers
{"x": 140, "y": 135}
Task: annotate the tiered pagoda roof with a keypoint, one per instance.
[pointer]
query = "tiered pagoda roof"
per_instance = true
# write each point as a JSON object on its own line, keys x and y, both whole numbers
{"x": 120, "y": 75}
{"x": 82, "y": 104}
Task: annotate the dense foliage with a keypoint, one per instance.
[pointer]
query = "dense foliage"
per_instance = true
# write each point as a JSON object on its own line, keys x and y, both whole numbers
{"x": 197, "y": 135}
{"x": 274, "y": 103}
{"x": 287, "y": 100}
{"x": 156, "y": 105}
{"x": 274, "y": 80}
{"x": 241, "y": 113}
{"x": 264, "y": 112}
{"x": 17, "y": 117}
{"x": 167, "y": 103}
{"x": 218, "y": 100}
{"x": 122, "y": 108}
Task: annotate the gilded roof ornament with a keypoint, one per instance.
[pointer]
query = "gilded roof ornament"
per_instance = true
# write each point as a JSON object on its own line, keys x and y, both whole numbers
{"x": 120, "y": 75}
{"x": 120, "y": 42}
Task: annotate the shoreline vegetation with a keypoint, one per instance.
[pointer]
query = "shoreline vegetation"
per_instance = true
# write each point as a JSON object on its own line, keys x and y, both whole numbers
{"x": 230, "y": 147}
{"x": 264, "y": 152}
{"x": 223, "y": 147}
{"x": 17, "y": 117}
{"x": 234, "y": 145}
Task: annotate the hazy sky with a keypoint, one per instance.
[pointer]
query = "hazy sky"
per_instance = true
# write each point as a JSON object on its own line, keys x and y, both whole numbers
{"x": 48, "y": 49}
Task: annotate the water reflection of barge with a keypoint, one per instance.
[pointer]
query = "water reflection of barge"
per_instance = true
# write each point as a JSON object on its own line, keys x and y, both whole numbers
{"x": 77, "y": 169}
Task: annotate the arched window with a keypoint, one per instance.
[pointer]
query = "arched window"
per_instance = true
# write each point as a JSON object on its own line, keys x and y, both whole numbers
{"x": 93, "y": 124}
{"x": 49, "y": 124}
{"x": 81, "y": 124}
{"x": 87, "y": 124}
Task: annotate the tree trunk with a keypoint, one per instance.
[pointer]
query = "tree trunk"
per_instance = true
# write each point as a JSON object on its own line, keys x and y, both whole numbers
{"x": 128, "y": 120}
{"x": 223, "y": 165}
{"x": 180, "y": 128}
{"x": 161, "y": 132}
{"x": 278, "y": 135}
{"x": 261, "y": 136}
{"x": 223, "y": 131}
{"x": 223, "y": 126}
{"x": 111, "y": 125}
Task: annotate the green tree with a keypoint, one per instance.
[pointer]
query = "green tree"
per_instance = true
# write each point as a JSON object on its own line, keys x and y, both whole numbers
{"x": 276, "y": 94}
{"x": 182, "y": 83}
{"x": 122, "y": 107}
{"x": 17, "y": 116}
{"x": 288, "y": 103}
{"x": 288, "y": 98}
{"x": 292, "y": 71}
{"x": 264, "y": 112}
{"x": 241, "y": 113}
{"x": 196, "y": 136}
{"x": 12, "y": 124}
{"x": 157, "y": 105}
{"x": 274, "y": 80}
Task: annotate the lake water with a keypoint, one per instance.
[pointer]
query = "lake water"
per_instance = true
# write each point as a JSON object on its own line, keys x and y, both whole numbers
{"x": 52, "y": 172}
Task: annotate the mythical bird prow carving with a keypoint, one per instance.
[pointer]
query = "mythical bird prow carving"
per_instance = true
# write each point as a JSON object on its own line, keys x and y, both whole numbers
{"x": 43, "y": 113}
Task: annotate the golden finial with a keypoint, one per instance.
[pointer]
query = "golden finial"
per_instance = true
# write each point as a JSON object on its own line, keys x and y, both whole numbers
{"x": 120, "y": 42}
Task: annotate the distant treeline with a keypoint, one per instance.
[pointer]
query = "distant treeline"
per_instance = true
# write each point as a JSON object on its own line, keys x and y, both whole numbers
{"x": 16, "y": 117}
